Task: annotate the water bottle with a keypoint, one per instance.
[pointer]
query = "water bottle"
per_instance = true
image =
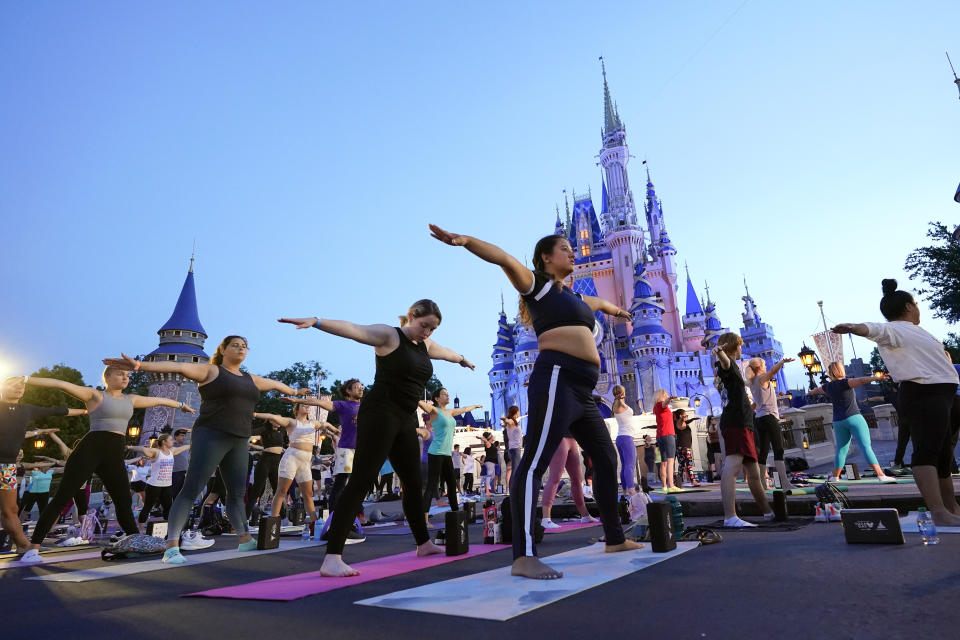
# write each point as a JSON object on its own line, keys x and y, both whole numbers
{"x": 305, "y": 536}
{"x": 928, "y": 530}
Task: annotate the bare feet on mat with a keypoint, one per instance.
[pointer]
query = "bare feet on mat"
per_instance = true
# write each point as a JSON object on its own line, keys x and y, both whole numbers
{"x": 532, "y": 567}
{"x": 944, "y": 518}
{"x": 428, "y": 549}
{"x": 334, "y": 567}
{"x": 626, "y": 545}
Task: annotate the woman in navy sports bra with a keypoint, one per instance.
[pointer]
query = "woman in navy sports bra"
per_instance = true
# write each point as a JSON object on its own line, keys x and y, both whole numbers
{"x": 560, "y": 390}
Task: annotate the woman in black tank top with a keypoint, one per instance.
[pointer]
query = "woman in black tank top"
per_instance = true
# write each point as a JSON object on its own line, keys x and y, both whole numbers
{"x": 387, "y": 422}
{"x": 220, "y": 436}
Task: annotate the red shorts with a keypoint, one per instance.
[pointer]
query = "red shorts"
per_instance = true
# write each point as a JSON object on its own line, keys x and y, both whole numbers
{"x": 739, "y": 441}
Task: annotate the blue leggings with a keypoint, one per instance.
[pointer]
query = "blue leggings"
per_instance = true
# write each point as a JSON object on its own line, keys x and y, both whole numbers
{"x": 628, "y": 461}
{"x": 843, "y": 430}
{"x": 210, "y": 449}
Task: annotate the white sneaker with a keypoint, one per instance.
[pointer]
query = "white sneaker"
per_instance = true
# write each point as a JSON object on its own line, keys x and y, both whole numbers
{"x": 832, "y": 478}
{"x": 588, "y": 518}
{"x": 193, "y": 540}
{"x": 737, "y": 522}
{"x": 549, "y": 524}
{"x": 31, "y": 556}
{"x": 833, "y": 514}
{"x": 887, "y": 479}
{"x": 769, "y": 516}
{"x": 820, "y": 514}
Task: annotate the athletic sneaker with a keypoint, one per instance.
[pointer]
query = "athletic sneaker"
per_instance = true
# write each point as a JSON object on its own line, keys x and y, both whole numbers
{"x": 353, "y": 538}
{"x": 769, "y": 516}
{"x": 547, "y": 523}
{"x": 737, "y": 522}
{"x": 249, "y": 545}
{"x": 832, "y": 478}
{"x": 192, "y": 540}
{"x": 173, "y": 556}
{"x": 820, "y": 514}
{"x": 887, "y": 479}
{"x": 833, "y": 514}
{"x": 31, "y": 556}
{"x": 588, "y": 518}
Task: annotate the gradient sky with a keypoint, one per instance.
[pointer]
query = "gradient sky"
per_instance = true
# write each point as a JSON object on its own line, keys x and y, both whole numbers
{"x": 305, "y": 149}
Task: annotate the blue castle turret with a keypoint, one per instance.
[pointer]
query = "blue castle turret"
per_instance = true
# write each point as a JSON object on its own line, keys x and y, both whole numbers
{"x": 502, "y": 370}
{"x": 758, "y": 338}
{"x": 649, "y": 341}
{"x": 181, "y": 340}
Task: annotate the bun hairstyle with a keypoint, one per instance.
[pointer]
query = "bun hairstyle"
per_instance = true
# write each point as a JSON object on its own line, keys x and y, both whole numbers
{"x": 894, "y": 303}
{"x": 160, "y": 440}
{"x": 217, "y": 358}
{"x": 419, "y": 309}
{"x": 546, "y": 244}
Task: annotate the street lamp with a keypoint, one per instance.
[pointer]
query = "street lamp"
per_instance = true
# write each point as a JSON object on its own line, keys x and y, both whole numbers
{"x": 39, "y": 443}
{"x": 698, "y": 400}
{"x": 809, "y": 359}
{"x": 133, "y": 431}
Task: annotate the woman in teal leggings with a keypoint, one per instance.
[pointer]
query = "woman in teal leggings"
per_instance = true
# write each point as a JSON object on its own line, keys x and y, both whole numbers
{"x": 847, "y": 421}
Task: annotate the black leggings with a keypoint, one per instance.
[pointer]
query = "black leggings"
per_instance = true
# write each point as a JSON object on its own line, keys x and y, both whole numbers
{"x": 267, "y": 469}
{"x": 927, "y": 407}
{"x": 339, "y": 482}
{"x": 384, "y": 430}
{"x": 768, "y": 435}
{"x": 560, "y": 400}
{"x": 440, "y": 469}
{"x": 468, "y": 483}
{"x": 385, "y": 484}
{"x": 153, "y": 495}
{"x": 30, "y": 499}
{"x": 99, "y": 452}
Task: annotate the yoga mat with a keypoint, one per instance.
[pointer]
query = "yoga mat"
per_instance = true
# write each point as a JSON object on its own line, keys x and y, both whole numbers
{"x": 799, "y": 491}
{"x": 154, "y": 564}
{"x": 397, "y": 531}
{"x": 51, "y": 551}
{"x": 875, "y": 481}
{"x": 50, "y": 559}
{"x": 909, "y": 525}
{"x": 680, "y": 490}
{"x": 496, "y": 595}
{"x": 768, "y": 526}
{"x": 307, "y": 584}
{"x": 572, "y": 526}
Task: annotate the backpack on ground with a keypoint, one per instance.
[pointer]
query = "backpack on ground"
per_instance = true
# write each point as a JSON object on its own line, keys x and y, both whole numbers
{"x": 138, "y": 545}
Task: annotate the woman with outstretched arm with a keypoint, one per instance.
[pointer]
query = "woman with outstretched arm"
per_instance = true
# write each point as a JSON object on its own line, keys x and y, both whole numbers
{"x": 100, "y": 451}
{"x": 387, "y": 421}
{"x": 560, "y": 390}
{"x": 220, "y": 435}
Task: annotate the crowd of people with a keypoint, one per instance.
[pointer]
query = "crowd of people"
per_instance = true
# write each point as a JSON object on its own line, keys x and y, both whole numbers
{"x": 380, "y": 435}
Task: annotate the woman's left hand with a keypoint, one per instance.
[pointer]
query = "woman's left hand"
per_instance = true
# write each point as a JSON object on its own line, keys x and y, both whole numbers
{"x": 466, "y": 363}
{"x": 187, "y": 408}
{"x": 302, "y": 323}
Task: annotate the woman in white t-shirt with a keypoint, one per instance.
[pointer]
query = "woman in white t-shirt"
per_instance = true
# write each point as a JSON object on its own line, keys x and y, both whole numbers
{"x": 160, "y": 479}
{"x": 928, "y": 382}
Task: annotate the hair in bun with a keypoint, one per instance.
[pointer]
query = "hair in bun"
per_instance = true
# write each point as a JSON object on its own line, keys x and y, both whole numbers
{"x": 889, "y": 286}
{"x": 894, "y": 303}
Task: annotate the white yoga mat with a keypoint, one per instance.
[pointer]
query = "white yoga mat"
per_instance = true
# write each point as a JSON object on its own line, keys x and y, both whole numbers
{"x": 496, "y": 595}
{"x": 908, "y": 524}
{"x": 144, "y": 566}
{"x": 50, "y": 559}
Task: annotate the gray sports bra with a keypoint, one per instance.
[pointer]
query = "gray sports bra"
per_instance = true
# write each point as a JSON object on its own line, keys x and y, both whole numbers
{"x": 112, "y": 415}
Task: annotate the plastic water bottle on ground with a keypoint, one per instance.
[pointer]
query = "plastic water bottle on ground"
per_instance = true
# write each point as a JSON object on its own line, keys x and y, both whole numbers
{"x": 926, "y": 527}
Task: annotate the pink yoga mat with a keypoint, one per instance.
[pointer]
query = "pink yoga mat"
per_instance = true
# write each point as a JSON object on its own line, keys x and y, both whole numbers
{"x": 307, "y": 584}
{"x": 572, "y": 526}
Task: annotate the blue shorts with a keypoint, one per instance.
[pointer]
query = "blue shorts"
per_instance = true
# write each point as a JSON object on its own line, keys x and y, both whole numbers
{"x": 668, "y": 446}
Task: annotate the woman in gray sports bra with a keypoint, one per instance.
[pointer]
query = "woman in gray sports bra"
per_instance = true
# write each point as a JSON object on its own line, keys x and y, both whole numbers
{"x": 220, "y": 435}
{"x": 100, "y": 451}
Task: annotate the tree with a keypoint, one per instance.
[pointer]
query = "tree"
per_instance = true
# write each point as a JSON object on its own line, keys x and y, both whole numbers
{"x": 297, "y": 375}
{"x": 876, "y": 362}
{"x": 433, "y": 385}
{"x": 71, "y": 429}
{"x": 952, "y": 345}
{"x": 938, "y": 267}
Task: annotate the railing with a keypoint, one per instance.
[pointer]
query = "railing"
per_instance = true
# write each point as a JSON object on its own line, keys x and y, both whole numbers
{"x": 871, "y": 420}
{"x": 793, "y": 438}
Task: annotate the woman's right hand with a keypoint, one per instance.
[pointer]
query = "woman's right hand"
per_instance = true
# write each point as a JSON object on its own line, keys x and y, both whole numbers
{"x": 124, "y": 362}
{"x": 302, "y": 323}
{"x": 452, "y": 239}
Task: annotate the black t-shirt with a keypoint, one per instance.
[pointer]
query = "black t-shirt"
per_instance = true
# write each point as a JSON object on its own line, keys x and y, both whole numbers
{"x": 14, "y": 419}
{"x": 402, "y": 374}
{"x": 843, "y": 398}
{"x": 551, "y": 306}
{"x": 684, "y": 438}
{"x": 270, "y": 437}
{"x": 737, "y": 412}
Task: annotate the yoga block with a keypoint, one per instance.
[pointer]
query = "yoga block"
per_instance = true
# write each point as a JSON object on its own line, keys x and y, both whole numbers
{"x": 457, "y": 536}
{"x": 157, "y": 529}
{"x": 660, "y": 516}
{"x": 268, "y": 537}
{"x": 852, "y": 471}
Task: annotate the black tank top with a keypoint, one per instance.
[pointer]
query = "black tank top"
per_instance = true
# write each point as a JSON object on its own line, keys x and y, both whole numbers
{"x": 402, "y": 374}
{"x": 227, "y": 403}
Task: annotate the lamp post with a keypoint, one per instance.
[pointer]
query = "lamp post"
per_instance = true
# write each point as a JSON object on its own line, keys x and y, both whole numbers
{"x": 133, "y": 431}
{"x": 39, "y": 443}
{"x": 808, "y": 358}
{"x": 698, "y": 400}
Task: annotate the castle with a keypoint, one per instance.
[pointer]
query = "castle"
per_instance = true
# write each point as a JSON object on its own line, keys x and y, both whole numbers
{"x": 632, "y": 263}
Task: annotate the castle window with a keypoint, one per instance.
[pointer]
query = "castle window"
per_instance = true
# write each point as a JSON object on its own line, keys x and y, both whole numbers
{"x": 172, "y": 358}
{"x": 584, "y": 234}
{"x": 176, "y": 333}
{"x": 585, "y": 250}
{"x": 196, "y": 359}
{"x": 193, "y": 334}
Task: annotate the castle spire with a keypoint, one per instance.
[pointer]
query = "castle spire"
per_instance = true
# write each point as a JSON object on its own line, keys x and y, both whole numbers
{"x": 693, "y": 303}
{"x": 185, "y": 316}
{"x": 611, "y": 120}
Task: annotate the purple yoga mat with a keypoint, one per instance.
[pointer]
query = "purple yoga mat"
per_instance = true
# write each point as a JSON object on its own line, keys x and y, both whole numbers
{"x": 302, "y": 585}
{"x": 572, "y": 526}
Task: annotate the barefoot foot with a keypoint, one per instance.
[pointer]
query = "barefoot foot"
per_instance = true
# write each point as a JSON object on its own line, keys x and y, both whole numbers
{"x": 428, "y": 549}
{"x": 944, "y": 518}
{"x": 531, "y": 567}
{"x": 334, "y": 567}
{"x": 626, "y": 545}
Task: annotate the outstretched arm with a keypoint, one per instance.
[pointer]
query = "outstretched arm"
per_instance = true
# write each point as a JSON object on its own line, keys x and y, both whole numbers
{"x": 440, "y": 352}
{"x": 599, "y": 304}
{"x": 144, "y": 402}
{"x": 859, "y": 329}
{"x": 178, "y": 450}
{"x": 771, "y": 373}
{"x": 859, "y": 382}
{"x": 148, "y": 452}
{"x": 427, "y": 407}
{"x": 817, "y": 392}
{"x": 311, "y": 401}
{"x": 375, "y": 335}
{"x": 85, "y": 394}
{"x": 197, "y": 372}
{"x": 326, "y": 427}
{"x": 280, "y": 421}
{"x": 519, "y": 276}
{"x": 722, "y": 357}
{"x": 266, "y": 384}
{"x": 64, "y": 449}
{"x": 462, "y": 410}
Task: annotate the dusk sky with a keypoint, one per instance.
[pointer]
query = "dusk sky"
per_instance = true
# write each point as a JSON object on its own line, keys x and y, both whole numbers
{"x": 304, "y": 147}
